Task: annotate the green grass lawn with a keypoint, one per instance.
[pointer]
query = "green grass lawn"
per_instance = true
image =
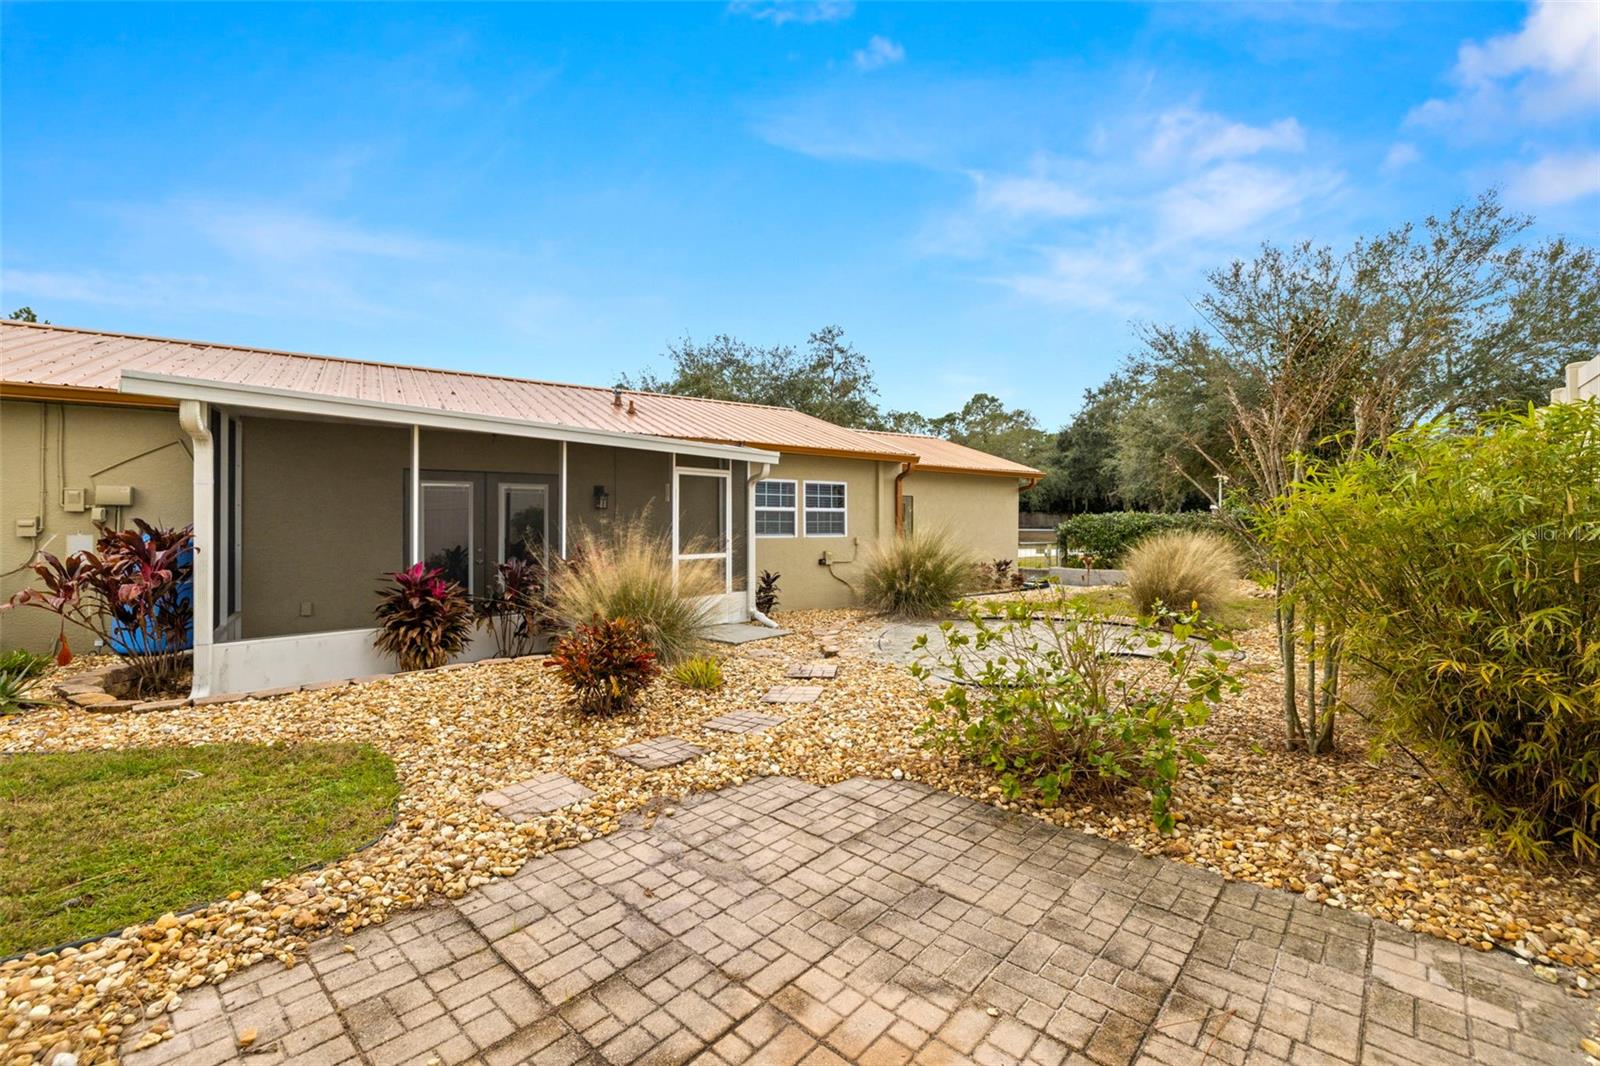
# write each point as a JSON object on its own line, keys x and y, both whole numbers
{"x": 91, "y": 842}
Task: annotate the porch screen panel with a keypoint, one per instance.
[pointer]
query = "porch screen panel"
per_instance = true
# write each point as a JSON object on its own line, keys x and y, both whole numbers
{"x": 702, "y": 515}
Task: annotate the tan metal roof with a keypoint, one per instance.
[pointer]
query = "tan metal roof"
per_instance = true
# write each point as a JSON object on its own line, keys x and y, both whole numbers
{"x": 38, "y": 357}
{"x": 938, "y": 455}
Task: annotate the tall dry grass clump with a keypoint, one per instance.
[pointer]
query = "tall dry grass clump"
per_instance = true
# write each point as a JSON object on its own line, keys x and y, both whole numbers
{"x": 1181, "y": 568}
{"x": 626, "y": 573}
{"x": 918, "y": 576}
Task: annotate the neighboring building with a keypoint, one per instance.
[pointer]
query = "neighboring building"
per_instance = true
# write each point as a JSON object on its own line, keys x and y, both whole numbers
{"x": 308, "y": 478}
{"x": 1583, "y": 383}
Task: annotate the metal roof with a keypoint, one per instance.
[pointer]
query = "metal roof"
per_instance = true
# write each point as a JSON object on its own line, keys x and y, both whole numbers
{"x": 936, "y": 455}
{"x": 92, "y": 361}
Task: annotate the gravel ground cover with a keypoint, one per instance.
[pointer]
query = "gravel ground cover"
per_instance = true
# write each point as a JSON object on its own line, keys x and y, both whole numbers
{"x": 1376, "y": 838}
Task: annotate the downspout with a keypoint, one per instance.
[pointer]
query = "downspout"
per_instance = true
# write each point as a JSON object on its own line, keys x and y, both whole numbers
{"x": 900, "y": 500}
{"x": 758, "y": 471}
{"x": 193, "y": 417}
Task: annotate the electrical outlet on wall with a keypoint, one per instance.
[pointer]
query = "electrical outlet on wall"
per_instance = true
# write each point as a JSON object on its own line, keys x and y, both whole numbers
{"x": 305, "y": 609}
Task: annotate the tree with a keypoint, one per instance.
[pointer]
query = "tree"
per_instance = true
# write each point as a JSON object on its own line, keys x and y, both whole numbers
{"x": 25, "y": 314}
{"x": 828, "y": 379}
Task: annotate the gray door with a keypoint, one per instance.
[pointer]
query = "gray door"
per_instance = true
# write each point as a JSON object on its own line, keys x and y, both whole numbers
{"x": 472, "y": 521}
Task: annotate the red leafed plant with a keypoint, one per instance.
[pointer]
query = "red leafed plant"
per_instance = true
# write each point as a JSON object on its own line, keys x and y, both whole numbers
{"x": 423, "y": 619}
{"x": 606, "y": 663}
{"x": 517, "y": 611}
{"x": 134, "y": 592}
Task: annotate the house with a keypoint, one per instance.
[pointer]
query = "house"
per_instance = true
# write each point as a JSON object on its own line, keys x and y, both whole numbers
{"x": 1582, "y": 382}
{"x": 308, "y": 478}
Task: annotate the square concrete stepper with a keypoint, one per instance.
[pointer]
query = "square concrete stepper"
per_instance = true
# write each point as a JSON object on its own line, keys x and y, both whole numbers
{"x": 813, "y": 671}
{"x": 658, "y": 752}
{"x": 744, "y": 722}
{"x": 535, "y": 796}
{"x": 792, "y": 694}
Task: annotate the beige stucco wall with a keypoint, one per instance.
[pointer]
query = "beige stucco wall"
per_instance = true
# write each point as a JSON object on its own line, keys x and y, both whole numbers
{"x": 869, "y": 503}
{"x": 83, "y": 446}
{"x": 977, "y": 512}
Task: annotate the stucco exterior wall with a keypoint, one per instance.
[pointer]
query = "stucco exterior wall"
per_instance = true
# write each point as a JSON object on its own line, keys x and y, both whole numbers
{"x": 977, "y": 512}
{"x": 869, "y": 504}
{"x": 83, "y": 446}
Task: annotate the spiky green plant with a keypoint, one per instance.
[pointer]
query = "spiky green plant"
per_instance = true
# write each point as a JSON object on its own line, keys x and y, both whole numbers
{"x": 918, "y": 576}
{"x": 1181, "y": 570}
{"x": 701, "y": 672}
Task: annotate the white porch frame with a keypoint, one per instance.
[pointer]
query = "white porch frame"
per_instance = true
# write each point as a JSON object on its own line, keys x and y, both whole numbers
{"x": 226, "y": 666}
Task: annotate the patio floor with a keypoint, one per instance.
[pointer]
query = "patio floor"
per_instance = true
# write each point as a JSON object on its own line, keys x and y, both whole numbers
{"x": 875, "y": 922}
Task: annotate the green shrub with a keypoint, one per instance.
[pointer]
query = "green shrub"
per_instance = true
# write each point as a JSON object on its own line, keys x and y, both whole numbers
{"x": 628, "y": 575}
{"x": 702, "y": 672}
{"x": 14, "y": 693}
{"x": 1105, "y": 538}
{"x": 1462, "y": 568}
{"x": 423, "y": 619}
{"x": 23, "y": 664}
{"x": 1038, "y": 698}
{"x": 918, "y": 576}
{"x": 1181, "y": 571}
{"x": 606, "y": 663}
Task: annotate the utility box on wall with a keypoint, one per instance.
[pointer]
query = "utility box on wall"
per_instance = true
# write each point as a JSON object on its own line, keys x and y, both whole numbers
{"x": 113, "y": 495}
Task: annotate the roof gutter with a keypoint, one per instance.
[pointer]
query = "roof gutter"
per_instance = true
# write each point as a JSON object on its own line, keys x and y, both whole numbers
{"x": 142, "y": 383}
{"x": 900, "y": 500}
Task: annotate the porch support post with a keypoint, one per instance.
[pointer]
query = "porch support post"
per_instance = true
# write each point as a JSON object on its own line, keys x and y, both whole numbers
{"x": 416, "y": 494}
{"x": 562, "y": 490}
{"x": 194, "y": 417}
{"x": 758, "y": 472}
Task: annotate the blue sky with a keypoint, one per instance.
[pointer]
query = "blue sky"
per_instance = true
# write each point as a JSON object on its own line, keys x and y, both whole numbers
{"x": 984, "y": 197}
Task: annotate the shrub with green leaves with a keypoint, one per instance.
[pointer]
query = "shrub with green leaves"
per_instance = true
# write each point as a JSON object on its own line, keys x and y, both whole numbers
{"x": 23, "y": 664}
{"x": 1462, "y": 568}
{"x": 919, "y": 576}
{"x": 1181, "y": 571}
{"x": 628, "y": 574}
{"x": 702, "y": 672}
{"x": 1105, "y": 538}
{"x": 1040, "y": 697}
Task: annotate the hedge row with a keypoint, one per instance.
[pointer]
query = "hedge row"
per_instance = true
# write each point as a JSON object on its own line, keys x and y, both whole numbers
{"x": 1107, "y": 536}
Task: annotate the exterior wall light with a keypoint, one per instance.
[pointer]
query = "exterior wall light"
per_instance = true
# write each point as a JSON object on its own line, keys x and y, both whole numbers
{"x": 602, "y": 499}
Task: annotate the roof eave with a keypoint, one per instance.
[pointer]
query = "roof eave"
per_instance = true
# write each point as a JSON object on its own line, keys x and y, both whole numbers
{"x": 139, "y": 383}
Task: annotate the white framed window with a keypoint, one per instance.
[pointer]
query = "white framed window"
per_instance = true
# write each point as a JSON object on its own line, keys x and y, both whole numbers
{"x": 777, "y": 506}
{"x": 825, "y": 509}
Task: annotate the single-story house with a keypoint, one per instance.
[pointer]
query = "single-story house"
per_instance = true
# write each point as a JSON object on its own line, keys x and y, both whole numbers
{"x": 308, "y": 478}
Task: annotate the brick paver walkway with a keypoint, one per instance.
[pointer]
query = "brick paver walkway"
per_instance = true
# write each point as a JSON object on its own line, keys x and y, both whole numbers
{"x": 792, "y": 694}
{"x": 875, "y": 922}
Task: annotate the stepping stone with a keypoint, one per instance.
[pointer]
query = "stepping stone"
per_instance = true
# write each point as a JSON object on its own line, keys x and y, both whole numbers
{"x": 657, "y": 752}
{"x": 814, "y": 670}
{"x": 792, "y": 694}
{"x": 528, "y": 799}
{"x": 743, "y": 722}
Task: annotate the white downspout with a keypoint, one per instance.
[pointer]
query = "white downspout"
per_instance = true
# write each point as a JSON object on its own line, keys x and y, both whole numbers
{"x": 193, "y": 417}
{"x": 416, "y": 494}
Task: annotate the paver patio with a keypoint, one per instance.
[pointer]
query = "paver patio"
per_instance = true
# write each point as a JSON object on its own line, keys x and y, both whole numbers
{"x": 875, "y": 922}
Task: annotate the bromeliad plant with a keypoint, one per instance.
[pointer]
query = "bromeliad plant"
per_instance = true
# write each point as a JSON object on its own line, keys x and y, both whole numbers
{"x": 606, "y": 663}
{"x": 1042, "y": 697}
{"x": 134, "y": 592}
{"x": 517, "y": 611}
{"x": 423, "y": 619}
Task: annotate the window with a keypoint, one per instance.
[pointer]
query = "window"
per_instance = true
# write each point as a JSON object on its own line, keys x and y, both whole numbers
{"x": 825, "y": 509}
{"x": 775, "y": 508}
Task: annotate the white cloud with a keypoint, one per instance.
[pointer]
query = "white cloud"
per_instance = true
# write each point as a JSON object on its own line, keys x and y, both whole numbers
{"x": 1559, "y": 178}
{"x": 1401, "y": 155}
{"x": 1186, "y": 133}
{"x": 265, "y": 232}
{"x": 1105, "y": 275}
{"x": 779, "y": 12}
{"x": 1546, "y": 71}
{"x": 879, "y": 52}
{"x": 1233, "y": 197}
{"x": 1039, "y": 196}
